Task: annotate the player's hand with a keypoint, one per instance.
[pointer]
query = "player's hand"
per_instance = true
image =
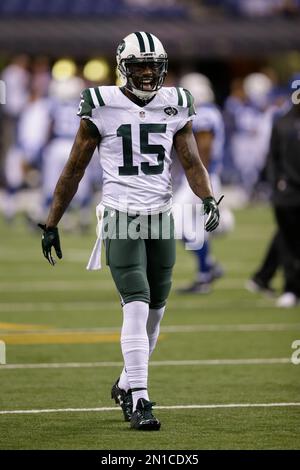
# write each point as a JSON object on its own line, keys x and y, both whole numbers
{"x": 50, "y": 238}
{"x": 212, "y": 211}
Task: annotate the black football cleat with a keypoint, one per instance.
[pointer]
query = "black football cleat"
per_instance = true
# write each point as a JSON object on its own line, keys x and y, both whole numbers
{"x": 142, "y": 418}
{"x": 123, "y": 399}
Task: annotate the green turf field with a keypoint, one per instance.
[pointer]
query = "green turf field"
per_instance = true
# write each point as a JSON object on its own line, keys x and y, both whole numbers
{"x": 226, "y": 348}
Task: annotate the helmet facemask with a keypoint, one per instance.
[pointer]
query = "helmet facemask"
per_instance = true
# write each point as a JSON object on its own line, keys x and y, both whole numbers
{"x": 144, "y": 77}
{"x": 143, "y": 64}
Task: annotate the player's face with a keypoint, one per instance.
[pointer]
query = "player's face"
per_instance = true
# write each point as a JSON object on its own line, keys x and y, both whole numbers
{"x": 145, "y": 74}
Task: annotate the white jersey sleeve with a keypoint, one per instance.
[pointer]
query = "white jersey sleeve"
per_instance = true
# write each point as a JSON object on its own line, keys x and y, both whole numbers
{"x": 186, "y": 104}
{"x": 89, "y": 102}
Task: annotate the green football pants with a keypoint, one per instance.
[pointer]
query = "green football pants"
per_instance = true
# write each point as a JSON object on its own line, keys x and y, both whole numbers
{"x": 140, "y": 251}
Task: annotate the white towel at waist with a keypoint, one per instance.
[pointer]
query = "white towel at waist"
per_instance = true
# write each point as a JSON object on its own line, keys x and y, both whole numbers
{"x": 95, "y": 258}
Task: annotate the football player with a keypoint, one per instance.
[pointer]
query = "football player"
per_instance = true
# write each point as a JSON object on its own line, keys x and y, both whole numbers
{"x": 208, "y": 129}
{"x": 63, "y": 126}
{"x": 250, "y": 129}
{"x": 135, "y": 127}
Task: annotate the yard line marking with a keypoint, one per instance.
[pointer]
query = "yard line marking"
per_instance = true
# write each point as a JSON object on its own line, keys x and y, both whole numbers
{"x": 59, "y": 337}
{"x": 11, "y": 328}
{"x": 24, "y": 327}
{"x": 171, "y": 407}
{"x": 196, "y": 362}
{"x": 232, "y": 327}
{"x": 92, "y": 285}
{"x": 100, "y": 305}
{"x": 54, "y": 306}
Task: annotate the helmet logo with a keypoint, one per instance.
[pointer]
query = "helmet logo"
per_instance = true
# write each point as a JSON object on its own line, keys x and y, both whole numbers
{"x": 121, "y": 47}
{"x": 170, "y": 111}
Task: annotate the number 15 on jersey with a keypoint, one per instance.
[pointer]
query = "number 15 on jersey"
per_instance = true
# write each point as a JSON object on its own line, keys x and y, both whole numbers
{"x": 128, "y": 168}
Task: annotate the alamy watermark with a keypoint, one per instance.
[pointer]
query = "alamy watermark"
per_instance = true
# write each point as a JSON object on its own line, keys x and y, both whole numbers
{"x": 2, "y": 353}
{"x": 183, "y": 221}
{"x": 2, "y": 92}
{"x": 296, "y": 94}
{"x": 296, "y": 354}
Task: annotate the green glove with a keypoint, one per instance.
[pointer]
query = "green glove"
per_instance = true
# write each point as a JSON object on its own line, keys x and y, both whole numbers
{"x": 212, "y": 210}
{"x": 50, "y": 237}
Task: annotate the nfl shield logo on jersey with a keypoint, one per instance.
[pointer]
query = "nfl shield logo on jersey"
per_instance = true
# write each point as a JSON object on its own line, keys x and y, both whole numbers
{"x": 170, "y": 111}
{"x": 142, "y": 114}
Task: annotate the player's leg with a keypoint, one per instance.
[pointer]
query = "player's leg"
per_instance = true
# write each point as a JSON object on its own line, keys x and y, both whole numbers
{"x": 290, "y": 254}
{"x": 153, "y": 326}
{"x": 208, "y": 270}
{"x": 161, "y": 254}
{"x": 261, "y": 279}
{"x": 127, "y": 261}
{"x": 186, "y": 211}
{"x": 160, "y": 262}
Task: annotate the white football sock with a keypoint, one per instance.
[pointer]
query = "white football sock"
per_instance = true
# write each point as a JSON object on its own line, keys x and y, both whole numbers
{"x": 137, "y": 395}
{"x": 135, "y": 348}
{"x": 123, "y": 381}
{"x": 153, "y": 323}
{"x": 154, "y": 318}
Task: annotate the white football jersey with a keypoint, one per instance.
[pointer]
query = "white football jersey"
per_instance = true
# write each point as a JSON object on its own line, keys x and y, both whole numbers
{"x": 136, "y": 144}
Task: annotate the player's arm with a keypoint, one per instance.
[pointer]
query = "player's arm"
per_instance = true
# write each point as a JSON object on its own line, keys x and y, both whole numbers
{"x": 187, "y": 151}
{"x": 196, "y": 173}
{"x": 86, "y": 141}
{"x": 82, "y": 151}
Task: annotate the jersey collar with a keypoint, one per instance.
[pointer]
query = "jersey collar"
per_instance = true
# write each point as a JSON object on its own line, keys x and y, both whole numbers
{"x": 136, "y": 101}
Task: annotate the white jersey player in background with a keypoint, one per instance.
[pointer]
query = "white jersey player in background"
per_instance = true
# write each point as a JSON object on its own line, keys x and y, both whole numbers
{"x": 63, "y": 123}
{"x": 135, "y": 128}
{"x": 251, "y": 123}
{"x": 208, "y": 128}
{"x": 25, "y": 153}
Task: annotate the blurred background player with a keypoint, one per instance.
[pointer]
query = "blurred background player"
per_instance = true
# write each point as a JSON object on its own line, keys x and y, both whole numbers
{"x": 272, "y": 261}
{"x": 16, "y": 77}
{"x": 27, "y": 110}
{"x": 208, "y": 129}
{"x": 249, "y": 125}
{"x": 63, "y": 123}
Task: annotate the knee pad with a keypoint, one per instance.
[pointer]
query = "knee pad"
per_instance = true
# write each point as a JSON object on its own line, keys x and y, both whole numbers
{"x": 132, "y": 284}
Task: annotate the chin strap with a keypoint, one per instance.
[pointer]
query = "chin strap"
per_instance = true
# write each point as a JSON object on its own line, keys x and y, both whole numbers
{"x": 142, "y": 95}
